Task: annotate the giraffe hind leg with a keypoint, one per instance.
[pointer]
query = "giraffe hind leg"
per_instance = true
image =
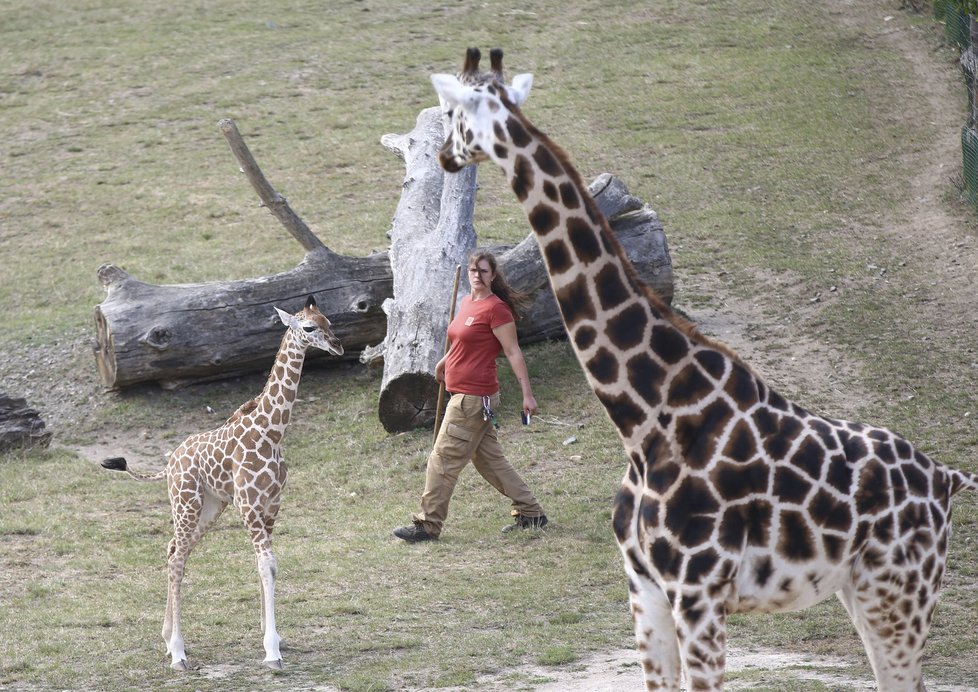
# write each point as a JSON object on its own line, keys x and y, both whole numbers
{"x": 172, "y": 633}
{"x": 191, "y": 522}
{"x": 893, "y": 621}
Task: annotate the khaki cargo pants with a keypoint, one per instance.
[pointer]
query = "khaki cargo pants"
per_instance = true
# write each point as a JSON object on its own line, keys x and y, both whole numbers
{"x": 465, "y": 435}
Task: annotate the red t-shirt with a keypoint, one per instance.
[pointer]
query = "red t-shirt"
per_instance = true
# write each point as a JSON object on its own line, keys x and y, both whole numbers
{"x": 471, "y": 364}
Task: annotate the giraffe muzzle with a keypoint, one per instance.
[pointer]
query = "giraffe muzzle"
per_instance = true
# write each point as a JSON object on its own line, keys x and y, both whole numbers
{"x": 449, "y": 162}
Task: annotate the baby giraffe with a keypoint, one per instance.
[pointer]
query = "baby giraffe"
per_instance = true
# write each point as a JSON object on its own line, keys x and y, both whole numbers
{"x": 239, "y": 462}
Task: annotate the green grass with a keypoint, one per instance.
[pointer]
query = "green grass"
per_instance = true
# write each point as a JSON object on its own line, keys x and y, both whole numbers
{"x": 776, "y": 144}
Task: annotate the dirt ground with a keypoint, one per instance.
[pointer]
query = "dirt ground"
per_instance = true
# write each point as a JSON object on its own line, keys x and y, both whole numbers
{"x": 948, "y": 246}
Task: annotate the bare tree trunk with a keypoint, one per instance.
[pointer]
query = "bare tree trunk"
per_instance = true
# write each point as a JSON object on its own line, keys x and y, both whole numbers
{"x": 431, "y": 235}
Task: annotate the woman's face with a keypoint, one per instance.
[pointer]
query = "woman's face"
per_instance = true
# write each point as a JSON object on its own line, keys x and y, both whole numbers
{"x": 480, "y": 275}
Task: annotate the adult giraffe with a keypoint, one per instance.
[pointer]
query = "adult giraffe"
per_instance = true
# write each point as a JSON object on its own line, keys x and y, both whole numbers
{"x": 734, "y": 499}
{"x": 239, "y": 462}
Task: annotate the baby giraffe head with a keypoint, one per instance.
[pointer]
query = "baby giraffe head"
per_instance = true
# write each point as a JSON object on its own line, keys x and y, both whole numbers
{"x": 311, "y": 328}
{"x": 479, "y": 108}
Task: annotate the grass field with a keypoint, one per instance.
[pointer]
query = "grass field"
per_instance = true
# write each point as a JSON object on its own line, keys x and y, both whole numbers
{"x": 779, "y": 144}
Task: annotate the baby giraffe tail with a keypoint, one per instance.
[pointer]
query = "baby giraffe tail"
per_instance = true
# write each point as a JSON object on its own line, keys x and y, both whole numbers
{"x": 120, "y": 464}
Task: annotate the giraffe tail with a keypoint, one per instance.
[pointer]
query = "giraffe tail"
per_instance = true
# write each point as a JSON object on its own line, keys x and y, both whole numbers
{"x": 120, "y": 464}
{"x": 962, "y": 479}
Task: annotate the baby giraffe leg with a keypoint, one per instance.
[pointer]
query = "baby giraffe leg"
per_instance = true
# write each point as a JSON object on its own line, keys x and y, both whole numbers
{"x": 186, "y": 505}
{"x": 195, "y": 518}
{"x": 267, "y": 570}
{"x": 260, "y": 528}
{"x": 172, "y": 635}
{"x": 168, "y": 614}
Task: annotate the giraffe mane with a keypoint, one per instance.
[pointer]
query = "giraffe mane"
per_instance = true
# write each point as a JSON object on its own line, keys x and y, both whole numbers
{"x": 684, "y": 325}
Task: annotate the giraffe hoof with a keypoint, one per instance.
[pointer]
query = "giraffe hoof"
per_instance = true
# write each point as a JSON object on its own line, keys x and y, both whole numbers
{"x": 274, "y": 665}
{"x": 179, "y": 665}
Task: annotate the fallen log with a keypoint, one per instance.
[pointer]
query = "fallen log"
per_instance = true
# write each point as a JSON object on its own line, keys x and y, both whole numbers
{"x": 21, "y": 427}
{"x": 184, "y": 333}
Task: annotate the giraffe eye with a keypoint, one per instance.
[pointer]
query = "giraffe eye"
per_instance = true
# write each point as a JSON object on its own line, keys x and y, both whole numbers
{"x": 308, "y": 329}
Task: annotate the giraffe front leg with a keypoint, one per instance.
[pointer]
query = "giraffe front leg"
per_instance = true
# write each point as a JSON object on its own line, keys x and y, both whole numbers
{"x": 260, "y": 526}
{"x": 267, "y": 570}
{"x": 655, "y": 633}
{"x": 701, "y": 628}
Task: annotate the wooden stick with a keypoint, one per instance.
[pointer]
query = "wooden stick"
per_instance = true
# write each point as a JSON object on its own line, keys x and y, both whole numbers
{"x": 441, "y": 385}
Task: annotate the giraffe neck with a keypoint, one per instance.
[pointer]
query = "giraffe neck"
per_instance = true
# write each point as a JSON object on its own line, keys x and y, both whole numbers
{"x": 573, "y": 234}
{"x": 633, "y": 348}
{"x": 276, "y": 400}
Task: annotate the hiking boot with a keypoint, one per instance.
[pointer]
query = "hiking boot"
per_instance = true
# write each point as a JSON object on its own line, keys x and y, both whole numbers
{"x": 414, "y": 533}
{"x": 521, "y": 521}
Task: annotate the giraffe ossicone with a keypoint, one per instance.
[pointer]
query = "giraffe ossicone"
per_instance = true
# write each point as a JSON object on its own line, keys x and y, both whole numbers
{"x": 734, "y": 499}
{"x": 239, "y": 462}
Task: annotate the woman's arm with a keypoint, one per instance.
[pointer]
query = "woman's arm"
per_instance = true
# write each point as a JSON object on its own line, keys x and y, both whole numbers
{"x": 506, "y": 333}
{"x": 440, "y": 365}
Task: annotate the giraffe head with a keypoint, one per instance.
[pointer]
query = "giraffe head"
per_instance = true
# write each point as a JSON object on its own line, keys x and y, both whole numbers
{"x": 477, "y": 106}
{"x": 311, "y": 328}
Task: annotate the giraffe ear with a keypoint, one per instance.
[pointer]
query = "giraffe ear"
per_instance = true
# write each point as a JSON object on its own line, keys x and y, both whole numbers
{"x": 450, "y": 90}
{"x": 287, "y": 319}
{"x": 520, "y": 88}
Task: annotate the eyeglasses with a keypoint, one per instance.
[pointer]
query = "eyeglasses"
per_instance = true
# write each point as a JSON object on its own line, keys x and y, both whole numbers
{"x": 478, "y": 270}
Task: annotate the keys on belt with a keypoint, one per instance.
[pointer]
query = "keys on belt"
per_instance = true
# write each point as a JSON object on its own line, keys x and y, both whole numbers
{"x": 487, "y": 413}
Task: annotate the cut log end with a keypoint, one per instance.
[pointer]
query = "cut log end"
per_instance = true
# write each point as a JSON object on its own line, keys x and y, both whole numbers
{"x": 104, "y": 349}
{"x": 409, "y": 402}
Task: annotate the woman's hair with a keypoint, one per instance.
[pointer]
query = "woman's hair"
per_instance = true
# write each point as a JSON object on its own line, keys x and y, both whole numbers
{"x": 517, "y": 301}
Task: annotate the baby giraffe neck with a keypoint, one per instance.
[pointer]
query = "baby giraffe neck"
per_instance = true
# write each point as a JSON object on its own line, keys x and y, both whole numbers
{"x": 282, "y": 386}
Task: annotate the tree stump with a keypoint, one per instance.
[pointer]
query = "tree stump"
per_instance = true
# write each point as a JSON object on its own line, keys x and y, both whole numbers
{"x": 431, "y": 235}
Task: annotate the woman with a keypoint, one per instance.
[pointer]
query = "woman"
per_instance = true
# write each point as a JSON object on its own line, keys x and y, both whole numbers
{"x": 484, "y": 326}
